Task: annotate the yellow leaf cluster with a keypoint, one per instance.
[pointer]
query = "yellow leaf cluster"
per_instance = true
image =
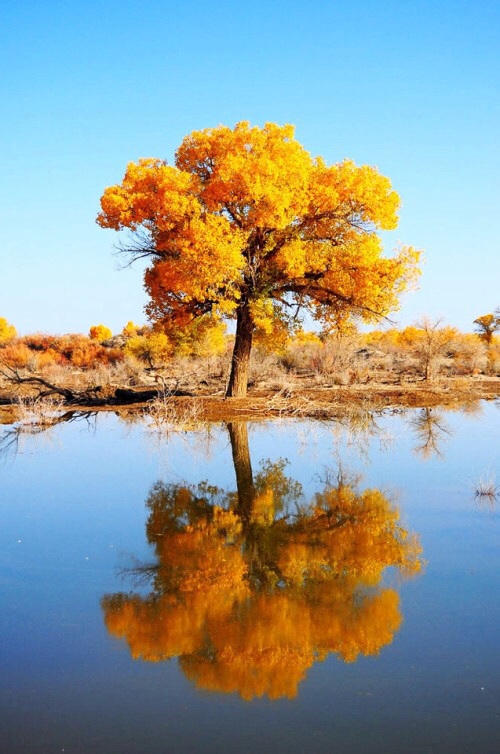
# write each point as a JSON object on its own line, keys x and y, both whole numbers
{"x": 154, "y": 349}
{"x": 130, "y": 329}
{"x": 7, "y": 331}
{"x": 260, "y": 175}
{"x": 100, "y": 333}
{"x": 246, "y": 215}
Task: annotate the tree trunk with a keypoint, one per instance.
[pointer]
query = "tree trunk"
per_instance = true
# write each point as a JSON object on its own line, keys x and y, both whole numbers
{"x": 238, "y": 379}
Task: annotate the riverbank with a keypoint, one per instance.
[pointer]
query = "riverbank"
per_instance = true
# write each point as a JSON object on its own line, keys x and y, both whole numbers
{"x": 298, "y": 398}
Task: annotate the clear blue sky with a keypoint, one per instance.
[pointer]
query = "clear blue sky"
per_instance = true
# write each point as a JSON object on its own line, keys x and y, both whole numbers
{"x": 411, "y": 87}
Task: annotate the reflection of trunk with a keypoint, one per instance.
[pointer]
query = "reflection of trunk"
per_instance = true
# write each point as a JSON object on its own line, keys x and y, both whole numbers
{"x": 256, "y": 554}
{"x": 238, "y": 434}
{"x": 238, "y": 380}
{"x": 430, "y": 428}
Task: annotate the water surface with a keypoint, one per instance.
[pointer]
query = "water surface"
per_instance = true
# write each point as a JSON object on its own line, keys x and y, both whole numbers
{"x": 286, "y": 586}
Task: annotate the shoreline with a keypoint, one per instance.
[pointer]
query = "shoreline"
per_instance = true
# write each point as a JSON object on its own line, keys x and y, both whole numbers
{"x": 307, "y": 401}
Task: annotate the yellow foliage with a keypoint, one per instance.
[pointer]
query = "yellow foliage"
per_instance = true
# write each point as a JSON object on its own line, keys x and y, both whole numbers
{"x": 203, "y": 337}
{"x": 154, "y": 349}
{"x": 7, "y": 331}
{"x": 272, "y": 328}
{"x": 263, "y": 511}
{"x": 248, "y": 598}
{"x": 100, "y": 332}
{"x": 247, "y": 223}
{"x": 130, "y": 329}
{"x": 485, "y": 327}
{"x": 306, "y": 337}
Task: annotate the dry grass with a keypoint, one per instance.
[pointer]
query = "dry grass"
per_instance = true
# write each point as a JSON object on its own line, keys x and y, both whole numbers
{"x": 313, "y": 381}
{"x": 166, "y": 413}
{"x": 486, "y": 487}
{"x": 38, "y": 412}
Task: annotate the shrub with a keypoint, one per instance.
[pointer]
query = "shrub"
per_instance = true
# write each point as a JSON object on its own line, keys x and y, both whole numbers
{"x": 100, "y": 332}
{"x": 153, "y": 349}
{"x": 7, "y": 332}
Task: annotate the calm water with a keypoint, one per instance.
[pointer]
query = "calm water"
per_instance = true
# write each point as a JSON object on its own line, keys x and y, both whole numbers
{"x": 278, "y": 587}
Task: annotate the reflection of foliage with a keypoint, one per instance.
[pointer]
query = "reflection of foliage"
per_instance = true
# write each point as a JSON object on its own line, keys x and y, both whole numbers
{"x": 249, "y": 589}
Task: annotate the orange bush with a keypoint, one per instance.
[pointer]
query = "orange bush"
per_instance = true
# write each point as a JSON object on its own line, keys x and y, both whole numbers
{"x": 16, "y": 355}
{"x": 40, "y": 350}
{"x": 100, "y": 332}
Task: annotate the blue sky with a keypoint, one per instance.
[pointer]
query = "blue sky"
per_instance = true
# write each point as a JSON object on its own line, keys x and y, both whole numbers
{"x": 86, "y": 87}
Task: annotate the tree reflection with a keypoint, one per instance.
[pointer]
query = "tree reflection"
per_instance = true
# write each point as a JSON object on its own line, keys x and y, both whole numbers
{"x": 431, "y": 429}
{"x": 251, "y": 587}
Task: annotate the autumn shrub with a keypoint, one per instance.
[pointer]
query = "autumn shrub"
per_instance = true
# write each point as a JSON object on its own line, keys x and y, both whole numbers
{"x": 16, "y": 355}
{"x": 43, "y": 359}
{"x": 425, "y": 347}
{"x": 390, "y": 355}
{"x": 130, "y": 330}
{"x": 7, "y": 331}
{"x": 301, "y": 351}
{"x": 204, "y": 337}
{"x": 493, "y": 357}
{"x": 86, "y": 354}
{"x": 432, "y": 344}
{"x": 386, "y": 340}
{"x": 82, "y": 352}
{"x": 40, "y": 351}
{"x": 468, "y": 354}
{"x": 336, "y": 358}
{"x": 153, "y": 349}
{"x": 40, "y": 341}
{"x": 265, "y": 369}
{"x": 100, "y": 333}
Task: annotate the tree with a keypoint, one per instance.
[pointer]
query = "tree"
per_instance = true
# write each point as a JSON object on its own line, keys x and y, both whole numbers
{"x": 430, "y": 342}
{"x": 247, "y": 225}
{"x": 154, "y": 348}
{"x": 486, "y": 326}
{"x": 250, "y": 587}
{"x": 130, "y": 329}
{"x": 100, "y": 333}
{"x": 430, "y": 429}
{"x": 7, "y": 331}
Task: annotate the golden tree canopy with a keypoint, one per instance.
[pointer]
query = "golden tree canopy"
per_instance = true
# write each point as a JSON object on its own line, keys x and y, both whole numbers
{"x": 247, "y": 224}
